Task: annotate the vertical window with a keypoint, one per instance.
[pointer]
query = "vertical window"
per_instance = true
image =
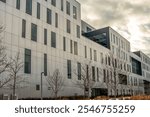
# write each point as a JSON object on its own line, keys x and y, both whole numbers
{"x": 29, "y": 7}
{"x": 37, "y": 87}
{"x": 104, "y": 73}
{"x": 49, "y": 16}
{"x": 64, "y": 43}
{"x": 69, "y": 68}
{"x": 45, "y": 36}
{"x": 67, "y": 7}
{"x": 74, "y": 12}
{"x": 23, "y": 28}
{"x": 18, "y": 4}
{"x": 27, "y": 63}
{"x": 33, "y": 32}
{"x": 38, "y": 10}
{"x": 62, "y": 5}
{"x": 71, "y": 48}
{"x": 56, "y": 20}
{"x": 93, "y": 73}
{"x": 79, "y": 70}
{"x": 53, "y": 2}
{"x": 90, "y": 53}
{"x": 53, "y": 39}
{"x": 78, "y": 31}
{"x": 97, "y": 74}
{"x": 68, "y": 26}
{"x": 45, "y": 64}
{"x": 95, "y": 55}
{"x": 85, "y": 51}
{"x": 75, "y": 48}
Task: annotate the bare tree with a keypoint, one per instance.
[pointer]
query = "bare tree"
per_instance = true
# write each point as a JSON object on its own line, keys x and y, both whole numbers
{"x": 4, "y": 62}
{"x": 86, "y": 80}
{"x": 118, "y": 77}
{"x": 15, "y": 73}
{"x": 55, "y": 82}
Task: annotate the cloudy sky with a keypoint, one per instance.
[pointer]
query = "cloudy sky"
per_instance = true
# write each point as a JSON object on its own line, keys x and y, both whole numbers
{"x": 131, "y": 18}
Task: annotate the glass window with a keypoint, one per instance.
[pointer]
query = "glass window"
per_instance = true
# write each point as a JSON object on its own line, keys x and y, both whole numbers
{"x": 93, "y": 73}
{"x": 95, "y": 55}
{"x": 29, "y": 7}
{"x": 75, "y": 48}
{"x": 33, "y": 32}
{"x": 53, "y": 2}
{"x": 104, "y": 74}
{"x": 49, "y": 16}
{"x": 45, "y": 64}
{"x": 78, "y": 31}
{"x": 74, "y": 12}
{"x": 85, "y": 51}
{"x": 71, "y": 48}
{"x": 68, "y": 26}
{"x": 56, "y": 20}
{"x": 18, "y": 4}
{"x": 23, "y": 28}
{"x": 69, "y": 69}
{"x": 37, "y": 87}
{"x": 62, "y": 5}
{"x": 27, "y": 64}
{"x": 53, "y": 39}
{"x": 64, "y": 43}
{"x": 90, "y": 53}
{"x": 97, "y": 74}
{"x": 45, "y": 36}
{"x": 38, "y": 10}
{"x": 79, "y": 70}
{"x": 67, "y": 7}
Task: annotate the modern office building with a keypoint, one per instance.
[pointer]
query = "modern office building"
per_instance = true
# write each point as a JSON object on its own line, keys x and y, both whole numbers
{"x": 48, "y": 36}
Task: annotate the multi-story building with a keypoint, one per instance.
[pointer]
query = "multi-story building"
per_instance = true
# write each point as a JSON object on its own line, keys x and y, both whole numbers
{"x": 48, "y": 36}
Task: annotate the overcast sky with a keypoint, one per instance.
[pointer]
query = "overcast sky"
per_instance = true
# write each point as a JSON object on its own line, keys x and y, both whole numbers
{"x": 131, "y": 18}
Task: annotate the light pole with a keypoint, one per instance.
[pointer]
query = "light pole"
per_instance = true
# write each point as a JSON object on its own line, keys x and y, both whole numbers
{"x": 41, "y": 86}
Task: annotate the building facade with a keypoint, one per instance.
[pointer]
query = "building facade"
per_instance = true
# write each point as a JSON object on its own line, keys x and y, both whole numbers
{"x": 48, "y": 36}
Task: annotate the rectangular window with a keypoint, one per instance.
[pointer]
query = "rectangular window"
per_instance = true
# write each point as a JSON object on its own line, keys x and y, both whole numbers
{"x": 64, "y": 43}
{"x": 45, "y": 36}
{"x": 71, "y": 48}
{"x": 104, "y": 74}
{"x": 53, "y": 39}
{"x": 56, "y": 20}
{"x": 85, "y": 51}
{"x": 62, "y": 5}
{"x": 18, "y": 4}
{"x": 3, "y": 1}
{"x": 53, "y": 2}
{"x": 69, "y": 68}
{"x": 74, "y": 12}
{"x": 29, "y": 7}
{"x": 79, "y": 70}
{"x": 75, "y": 48}
{"x": 23, "y": 28}
{"x": 95, "y": 55}
{"x": 45, "y": 64}
{"x": 38, "y": 10}
{"x": 90, "y": 53}
{"x": 49, "y": 16}
{"x": 78, "y": 31}
{"x": 37, "y": 87}
{"x": 33, "y": 32}
{"x": 67, "y": 7}
{"x": 27, "y": 64}
{"x": 97, "y": 74}
{"x": 68, "y": 26}
{"x": 93, "y": 73}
